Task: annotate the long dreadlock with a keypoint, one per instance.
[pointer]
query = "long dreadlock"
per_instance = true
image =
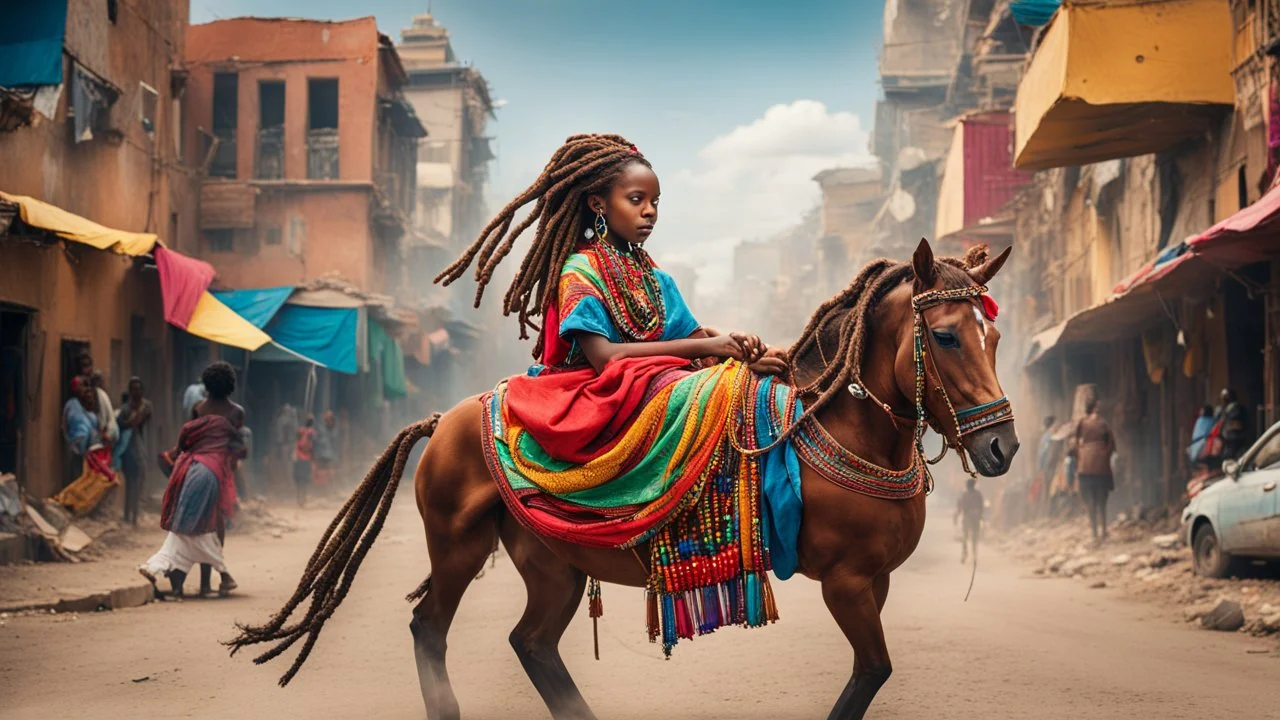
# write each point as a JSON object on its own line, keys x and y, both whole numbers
{"x": 844, "y": 321}
{"x": 584, "y": 165}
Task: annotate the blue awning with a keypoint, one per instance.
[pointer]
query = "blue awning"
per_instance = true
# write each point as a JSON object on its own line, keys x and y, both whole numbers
{"x": 257, "y": 306}
{"x": 1036, "y": 13}
{"x": 326, "y": 336}
{"x": 31, "y": 43}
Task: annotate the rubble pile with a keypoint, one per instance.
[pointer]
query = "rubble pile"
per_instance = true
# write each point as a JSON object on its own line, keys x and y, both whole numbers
{"x": 1147, "y": 559}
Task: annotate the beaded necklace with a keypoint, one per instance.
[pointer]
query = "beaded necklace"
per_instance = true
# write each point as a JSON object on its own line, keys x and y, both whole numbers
{"x": 634, "y": 294}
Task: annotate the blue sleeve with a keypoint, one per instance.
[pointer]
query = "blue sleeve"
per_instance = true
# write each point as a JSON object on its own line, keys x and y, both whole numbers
{"x": 680, "y": 320}
{"x": 589, "y": 316}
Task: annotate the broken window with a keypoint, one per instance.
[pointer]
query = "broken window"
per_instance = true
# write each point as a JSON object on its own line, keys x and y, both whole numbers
{"x": 322, "y": 128}
{"x": 226, "y": 104}
{"x": 221, "y": 240}
{"x": 91, "y": 101}
{"x": 270, "y": 130}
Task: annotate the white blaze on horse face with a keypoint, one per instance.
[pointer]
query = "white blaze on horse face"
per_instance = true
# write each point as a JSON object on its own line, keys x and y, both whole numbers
{"x": 982, "y": 327}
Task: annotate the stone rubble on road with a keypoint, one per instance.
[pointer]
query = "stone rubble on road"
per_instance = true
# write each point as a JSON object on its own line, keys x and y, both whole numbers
{"x": 1145, "y": 560}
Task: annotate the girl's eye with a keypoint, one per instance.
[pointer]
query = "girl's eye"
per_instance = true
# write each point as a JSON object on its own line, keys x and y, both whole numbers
{"x": 946, "y": 339}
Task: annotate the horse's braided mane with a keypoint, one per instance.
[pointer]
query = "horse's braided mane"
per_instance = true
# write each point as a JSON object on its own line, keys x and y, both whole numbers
{"x": 843, "y": 323}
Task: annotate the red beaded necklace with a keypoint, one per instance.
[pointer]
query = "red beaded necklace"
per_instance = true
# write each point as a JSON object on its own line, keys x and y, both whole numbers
{"x": 634, "y": 294}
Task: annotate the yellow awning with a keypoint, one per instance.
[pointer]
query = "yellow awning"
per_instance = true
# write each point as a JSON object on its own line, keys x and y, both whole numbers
{"x": 213, "y": 320}
{"x": 69, "y": 226}
{"x": 1114, "y": 80}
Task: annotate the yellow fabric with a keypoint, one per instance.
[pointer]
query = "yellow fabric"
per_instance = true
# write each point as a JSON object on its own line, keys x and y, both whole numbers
{"x": 1155, "y": 350}
{"x": 70, "y": 226}
{"x": 83, "y": 495}
{"x": 1099, "y": 85}
{"x": 608, "y": 465}
{"x": 1194, "y": 361}
{"x": 212, "y": 320}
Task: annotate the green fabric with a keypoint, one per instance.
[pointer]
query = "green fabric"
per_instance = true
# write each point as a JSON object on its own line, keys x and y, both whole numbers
{"x": 648, "y": 479}
{"x": 386, "y": 351}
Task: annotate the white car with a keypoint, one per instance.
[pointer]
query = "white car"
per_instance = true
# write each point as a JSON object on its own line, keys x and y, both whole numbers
{"x": 1238, "y": 516}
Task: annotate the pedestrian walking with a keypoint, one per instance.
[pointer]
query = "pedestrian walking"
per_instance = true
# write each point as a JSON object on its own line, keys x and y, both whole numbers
{"x": 969, "y": 509}
{"x": 1233, "y": 425}
{"x": 284, "y": 435}
{"x": 90, "y": 439}
{"x": 1095, "y": 444}
{"x": 201, "y": 496}
{"x": 133, "y": 417}
{"x": 302, "y": 458}
{"x": 192, "y": 396}
{"x": 325, "y": 455}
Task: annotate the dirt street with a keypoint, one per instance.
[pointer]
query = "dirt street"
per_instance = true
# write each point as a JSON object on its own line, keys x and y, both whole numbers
{"x": 1021, "y": 647}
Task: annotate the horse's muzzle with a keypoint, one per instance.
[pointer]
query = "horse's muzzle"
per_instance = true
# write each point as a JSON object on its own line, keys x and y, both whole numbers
{"x": 992, "y": 449}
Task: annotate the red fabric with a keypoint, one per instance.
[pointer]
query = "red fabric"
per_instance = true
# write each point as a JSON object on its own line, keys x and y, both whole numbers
{"x": 1250, "y": 235}
{"x": 576, "y": 415}
{"x": 213, "y": 442}
{"x": 182, "y": 281}
{"x": 990, "y": 179}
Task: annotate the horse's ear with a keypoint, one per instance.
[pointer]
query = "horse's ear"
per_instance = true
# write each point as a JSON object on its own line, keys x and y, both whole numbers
{"x": 922, "y": 262}
{"x": 987, "y": 270}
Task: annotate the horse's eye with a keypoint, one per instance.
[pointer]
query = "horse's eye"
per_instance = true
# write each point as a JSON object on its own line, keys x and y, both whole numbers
{"x": 946, "y": 339}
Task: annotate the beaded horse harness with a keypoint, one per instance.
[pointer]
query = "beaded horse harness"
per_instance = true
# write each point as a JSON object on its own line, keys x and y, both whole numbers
{"x": 816, "y": 448}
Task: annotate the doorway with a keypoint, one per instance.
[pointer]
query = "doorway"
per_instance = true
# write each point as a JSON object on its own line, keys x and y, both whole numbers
{"x": 14, "y": 324}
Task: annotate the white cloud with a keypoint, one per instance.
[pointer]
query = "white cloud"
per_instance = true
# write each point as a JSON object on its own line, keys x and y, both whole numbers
{"x": 752, "y": 182}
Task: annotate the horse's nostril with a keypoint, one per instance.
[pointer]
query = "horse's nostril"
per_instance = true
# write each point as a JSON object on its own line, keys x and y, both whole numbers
{"x": 995, "y": 450}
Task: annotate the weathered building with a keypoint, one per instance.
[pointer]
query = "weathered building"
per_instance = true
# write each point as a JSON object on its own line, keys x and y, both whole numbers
{"x": 90, "y": 121}
{"x": 851, "y": 197}
{"x": 453, "y": 99}
{"x": 308, "y": 149}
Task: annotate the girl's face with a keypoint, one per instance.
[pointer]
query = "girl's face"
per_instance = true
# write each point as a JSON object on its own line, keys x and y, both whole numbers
{"x": 631, "y": 206}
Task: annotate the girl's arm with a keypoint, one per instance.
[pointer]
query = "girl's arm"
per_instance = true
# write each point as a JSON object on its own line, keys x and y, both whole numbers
{"x": 600, "y": 350}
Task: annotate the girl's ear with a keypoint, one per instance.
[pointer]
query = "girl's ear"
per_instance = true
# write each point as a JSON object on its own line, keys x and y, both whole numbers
{"x": 596, "y": 203}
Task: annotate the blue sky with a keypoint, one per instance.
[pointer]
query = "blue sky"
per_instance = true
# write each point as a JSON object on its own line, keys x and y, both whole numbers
{"x": 737, "y": 104}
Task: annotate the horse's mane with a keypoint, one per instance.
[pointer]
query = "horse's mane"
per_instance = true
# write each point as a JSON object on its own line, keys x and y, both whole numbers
{"x": 831, "y": 346}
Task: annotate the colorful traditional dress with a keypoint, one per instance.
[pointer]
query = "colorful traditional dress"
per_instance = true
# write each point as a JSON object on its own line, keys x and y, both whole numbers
{"x": 642, "y": 451}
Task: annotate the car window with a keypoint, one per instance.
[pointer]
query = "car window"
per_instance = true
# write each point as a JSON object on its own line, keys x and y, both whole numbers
{"x": 1268, "y": 455}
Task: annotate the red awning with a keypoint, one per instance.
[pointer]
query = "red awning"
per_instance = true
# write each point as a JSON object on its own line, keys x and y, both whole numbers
{"x": 1251, "y": 235}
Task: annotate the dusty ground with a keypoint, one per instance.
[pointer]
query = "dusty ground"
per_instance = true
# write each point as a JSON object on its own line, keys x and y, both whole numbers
{"x": 1023, "y": 646}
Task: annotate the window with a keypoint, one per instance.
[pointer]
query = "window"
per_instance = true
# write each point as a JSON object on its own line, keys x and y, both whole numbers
{"x": 226, "y": 106}
{"x": 221, "y": 240}
{"x": 270, "y": 130}
{"x": 148, "y": 99}
{"x": 271, "y": 235}
{"x": 322, "y": 128}
{"x": 1268, "y": 454}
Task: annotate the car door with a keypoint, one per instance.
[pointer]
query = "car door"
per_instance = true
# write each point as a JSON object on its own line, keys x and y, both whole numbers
{"x": 1247, "y": 510}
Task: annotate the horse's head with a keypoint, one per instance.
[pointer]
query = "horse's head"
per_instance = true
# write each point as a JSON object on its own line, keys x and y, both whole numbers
{"x": 957, "y": 356}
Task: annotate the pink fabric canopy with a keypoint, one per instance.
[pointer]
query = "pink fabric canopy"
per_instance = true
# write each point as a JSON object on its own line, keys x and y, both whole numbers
{"x": 182, "y": 281}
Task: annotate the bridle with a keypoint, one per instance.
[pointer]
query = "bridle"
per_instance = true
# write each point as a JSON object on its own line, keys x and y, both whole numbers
{"x": 966, "y": 421}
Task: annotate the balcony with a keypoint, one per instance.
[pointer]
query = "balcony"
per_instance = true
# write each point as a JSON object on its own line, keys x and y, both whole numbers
{"x": 1111, "y": 81}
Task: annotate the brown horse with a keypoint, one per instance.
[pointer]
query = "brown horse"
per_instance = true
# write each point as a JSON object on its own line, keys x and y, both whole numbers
{"x": 848, "y": 542}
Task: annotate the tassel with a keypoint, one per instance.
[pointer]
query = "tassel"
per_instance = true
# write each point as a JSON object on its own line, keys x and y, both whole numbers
{"x": 595, "y": 608}
{"x": 754, "y": 610}
{"x": 651, "y": 615}
{"x": 668, "y": 624}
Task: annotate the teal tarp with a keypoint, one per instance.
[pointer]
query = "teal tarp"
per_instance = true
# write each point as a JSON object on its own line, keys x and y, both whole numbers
{"x": 31, "y": 42}
{"x": 385, "y": 352}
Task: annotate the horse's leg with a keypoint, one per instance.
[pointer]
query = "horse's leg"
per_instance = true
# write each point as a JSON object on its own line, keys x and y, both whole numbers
{"x": 554, "y": 592}
{"x": 855, "y": 603}
{"x": 457, "y": 555}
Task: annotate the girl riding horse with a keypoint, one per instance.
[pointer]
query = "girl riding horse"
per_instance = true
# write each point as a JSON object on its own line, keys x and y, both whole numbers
{"x": 645, "y": 450}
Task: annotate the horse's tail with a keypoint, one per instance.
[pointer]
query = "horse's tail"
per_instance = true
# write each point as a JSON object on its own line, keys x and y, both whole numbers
{"x": 337, "y": 558}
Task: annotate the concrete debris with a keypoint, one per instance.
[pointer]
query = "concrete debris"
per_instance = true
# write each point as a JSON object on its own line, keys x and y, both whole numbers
{"x": 1226, "y": 616}
{"x": 1098, "y": 585}
{"x": 1165, "y": 542}
{"x": 1121, "y": 559}
{"x": 1076, "y": 565}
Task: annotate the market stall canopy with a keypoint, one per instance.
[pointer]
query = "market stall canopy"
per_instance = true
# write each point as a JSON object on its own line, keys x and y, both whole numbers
{"x": 31, "y": 43}
{"x": 1137, "y": 301}
{"x": 324, "y": 335}
{"x": 1251, "y": 235}
{"x": 1113, "y": 80}
{"x": 184, "y": 281}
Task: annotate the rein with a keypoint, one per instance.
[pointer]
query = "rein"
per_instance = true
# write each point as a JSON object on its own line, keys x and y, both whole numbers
{"x": 816, "y": 447}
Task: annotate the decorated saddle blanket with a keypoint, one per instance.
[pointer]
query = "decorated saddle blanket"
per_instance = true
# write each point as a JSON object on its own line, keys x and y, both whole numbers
{"x": 651, "y": 451}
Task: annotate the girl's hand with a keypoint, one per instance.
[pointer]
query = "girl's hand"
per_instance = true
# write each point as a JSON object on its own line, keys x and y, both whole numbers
{"x": 774, "y": 362}
{"x": 739, "y": 346}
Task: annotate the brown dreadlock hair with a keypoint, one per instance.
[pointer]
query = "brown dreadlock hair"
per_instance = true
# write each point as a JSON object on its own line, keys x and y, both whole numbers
{"x": 843, "y": 323}
{"x": 584, "y": 165}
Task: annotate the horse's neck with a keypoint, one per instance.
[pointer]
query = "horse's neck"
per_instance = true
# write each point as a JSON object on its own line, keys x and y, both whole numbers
{"x": 866, "y": 430}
